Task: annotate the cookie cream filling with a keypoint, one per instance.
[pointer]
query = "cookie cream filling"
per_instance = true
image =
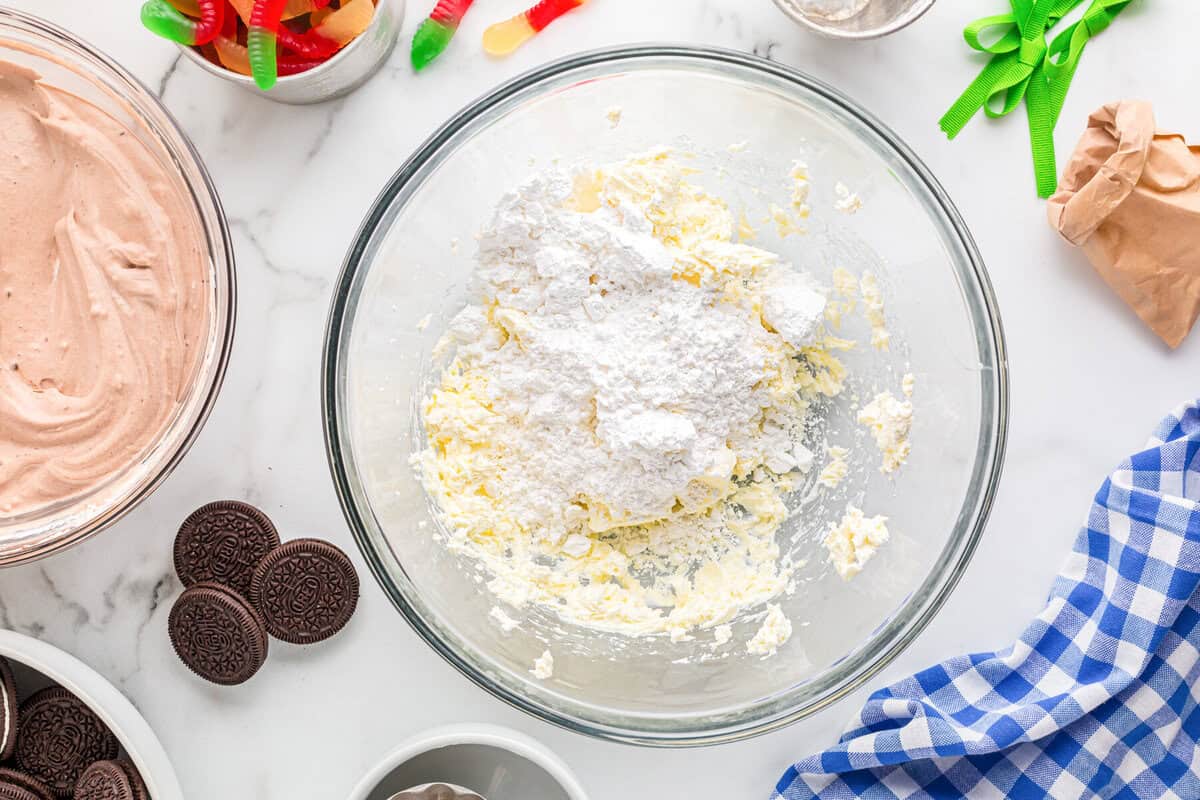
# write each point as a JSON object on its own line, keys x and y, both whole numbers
{"x": 625, "y": 402}
{"x": 8, "y": 715}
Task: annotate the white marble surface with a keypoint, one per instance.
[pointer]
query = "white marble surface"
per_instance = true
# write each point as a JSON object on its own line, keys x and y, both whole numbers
{"x": 1088, "y": 383}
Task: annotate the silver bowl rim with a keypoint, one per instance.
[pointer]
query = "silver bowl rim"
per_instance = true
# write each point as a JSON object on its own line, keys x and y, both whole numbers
{"x": 914, "y": 12}
{"x": 928, "y": 599}
{"x": 307, "y": 77}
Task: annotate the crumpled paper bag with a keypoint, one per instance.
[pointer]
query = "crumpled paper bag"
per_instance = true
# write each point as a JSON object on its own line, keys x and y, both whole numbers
{"x": 1130, "y": 197}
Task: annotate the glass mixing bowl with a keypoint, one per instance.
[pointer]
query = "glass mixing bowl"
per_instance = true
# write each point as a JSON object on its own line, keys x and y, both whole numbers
{"x": 407, "y": 274}
{"x": 70, "y": 64}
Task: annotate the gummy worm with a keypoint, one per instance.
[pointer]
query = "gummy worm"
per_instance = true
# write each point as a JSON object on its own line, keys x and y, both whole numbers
{"x": 162, "y": 18}
{"x": 260, "y": 41}
{"x": 230, "y": 54}
{"x": 189, "y": 7}
{"x": 434, "y": 34}
{"x": 293, "y": 66}
{"x": 505, "y": 37}
{"x": 309, "y": 44}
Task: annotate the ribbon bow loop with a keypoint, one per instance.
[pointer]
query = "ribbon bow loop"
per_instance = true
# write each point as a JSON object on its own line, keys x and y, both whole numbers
{"x": 1024, "y": 67}
{"x": 1097, "y": 18}
{"x": 1008, "y": 40}
{"x": 1031, "y": 52}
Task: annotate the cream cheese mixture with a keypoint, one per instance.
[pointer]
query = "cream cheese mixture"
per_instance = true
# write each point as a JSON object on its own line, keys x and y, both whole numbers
{"x": 889, "y": 420}
{"x": 103, "y": 295}
{"x": 854, "y": 541}
{"x": 625, "y": 405}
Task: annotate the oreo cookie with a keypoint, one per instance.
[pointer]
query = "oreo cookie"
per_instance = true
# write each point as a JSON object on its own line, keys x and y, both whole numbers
{"x": 218, "y": 634}
{"x": 222, "y": 542}
{"x": 306, "y": 590}
{"x": 8, "y": 711}
{"x": 11, "y": 791}
{"x": 140, "y": 790}
{"x": 26, "y": 782}
{"x": 111, "y": 780}
{"x": 60, "y": 737}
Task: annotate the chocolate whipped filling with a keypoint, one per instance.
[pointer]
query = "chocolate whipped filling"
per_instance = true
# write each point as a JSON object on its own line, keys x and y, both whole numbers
{"x": 104, "y": 295}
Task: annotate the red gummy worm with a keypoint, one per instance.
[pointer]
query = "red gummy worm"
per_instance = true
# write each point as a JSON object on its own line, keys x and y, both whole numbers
{"x": 229, "y": 25}
{"x": 212, "y": 20}
{"x": 309, "y": 44}
{"x": 291, "y": 66}
{"x": 547, "y": 11}
{"x": 267, "y": 14}
{"x": 450, "y": 12}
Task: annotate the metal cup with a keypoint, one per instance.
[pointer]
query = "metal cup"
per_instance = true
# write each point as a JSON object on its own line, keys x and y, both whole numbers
{"x": 340, "y": 75}
{"x": 879, "y": 18}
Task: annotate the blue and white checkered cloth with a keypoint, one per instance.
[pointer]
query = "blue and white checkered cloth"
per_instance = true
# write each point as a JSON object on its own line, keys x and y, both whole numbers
{"x": 1099, "y": 696}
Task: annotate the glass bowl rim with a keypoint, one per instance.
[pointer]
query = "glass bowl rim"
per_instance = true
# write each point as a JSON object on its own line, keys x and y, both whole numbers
{"x": 127, "y": 88}
{"x": 782, "y": 708}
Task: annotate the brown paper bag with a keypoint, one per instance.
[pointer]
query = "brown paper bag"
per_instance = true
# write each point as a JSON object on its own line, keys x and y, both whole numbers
{"x": 1130, "y": 197}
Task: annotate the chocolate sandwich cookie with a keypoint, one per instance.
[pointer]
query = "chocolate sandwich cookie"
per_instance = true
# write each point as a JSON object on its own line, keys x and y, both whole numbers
{"x": 223, "y": 542}
{"x": 110, "y": 780}
{"x": 12, "y": 791}
{"x": 306, "y": 591}
{"x": 60, "y": 738}
{"x": 26, "y": 782}
{"x": 140, "y": 790}
{"x": 8, "y": 711}
{"x": 218, "y": 634}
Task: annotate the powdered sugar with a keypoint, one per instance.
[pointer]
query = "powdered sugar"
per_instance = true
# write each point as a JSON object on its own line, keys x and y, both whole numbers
{"x": 792, "y": 307}
{"x": 632, "y": 384}
{"x": 835, "y": 10}
{"x": 625, "y": 403}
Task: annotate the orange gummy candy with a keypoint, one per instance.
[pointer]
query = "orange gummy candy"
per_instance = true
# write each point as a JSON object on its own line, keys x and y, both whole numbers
{"x": 348, "y": 22}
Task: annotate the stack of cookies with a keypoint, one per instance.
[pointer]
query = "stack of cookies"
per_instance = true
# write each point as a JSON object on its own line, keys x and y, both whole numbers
{"x": 54, "y": 747}
{"x": 243, "y": 585}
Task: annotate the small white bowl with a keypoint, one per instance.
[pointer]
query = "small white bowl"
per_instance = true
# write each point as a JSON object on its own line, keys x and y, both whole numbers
{"x": 340, "y": 75}
{"x": 429, "y": 791}
{"x": 879, "y": 18}
{"x": 131, "y": 730}
{"x": 495, "y": 762}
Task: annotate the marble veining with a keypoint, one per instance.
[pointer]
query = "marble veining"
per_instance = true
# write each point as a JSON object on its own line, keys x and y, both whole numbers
{"x": 296, "y": 182}
{"x": 168, "y": 74}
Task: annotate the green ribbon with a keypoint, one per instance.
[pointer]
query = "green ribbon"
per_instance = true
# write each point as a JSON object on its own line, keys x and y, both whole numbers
{"x": 1024, "y": 67}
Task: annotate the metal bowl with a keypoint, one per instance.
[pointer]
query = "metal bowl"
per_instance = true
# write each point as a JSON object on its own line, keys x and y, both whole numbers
{"x": 878, "y": 18}
{"x": 348, "y": 69}
{"x": 504, "y": 764}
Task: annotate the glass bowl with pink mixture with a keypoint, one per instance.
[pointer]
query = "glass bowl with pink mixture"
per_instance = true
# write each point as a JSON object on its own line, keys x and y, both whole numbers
{"x": 116, "y": 290}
